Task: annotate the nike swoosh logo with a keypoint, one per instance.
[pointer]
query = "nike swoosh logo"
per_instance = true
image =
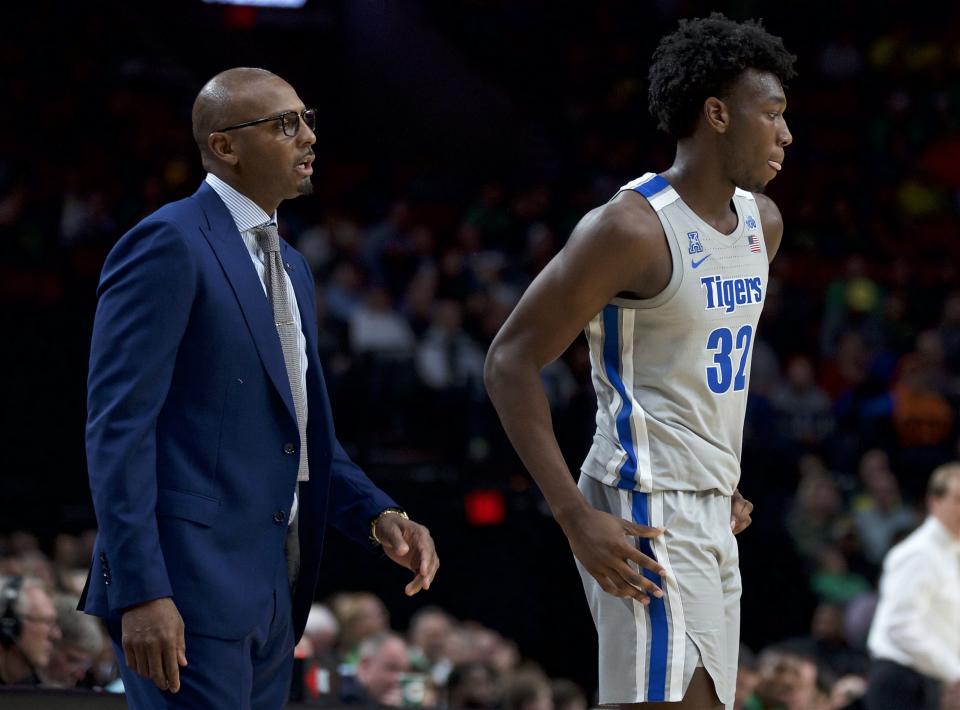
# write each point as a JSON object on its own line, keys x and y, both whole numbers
{"x": 694, "y": 263}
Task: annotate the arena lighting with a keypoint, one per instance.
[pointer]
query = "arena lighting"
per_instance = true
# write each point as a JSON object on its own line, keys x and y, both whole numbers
{"x": 289, "y": 4}
{"x": 485, "y": 507}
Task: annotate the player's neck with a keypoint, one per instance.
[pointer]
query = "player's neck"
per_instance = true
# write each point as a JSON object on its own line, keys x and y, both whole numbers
{"x": 697, "y": 178}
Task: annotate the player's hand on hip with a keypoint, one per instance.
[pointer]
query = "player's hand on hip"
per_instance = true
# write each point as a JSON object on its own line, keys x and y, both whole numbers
{"x": 409, "y": 545}
{"x": 603, "y": 543}
{"x": 740, "y": 509}
{"x": 153, "y": 642}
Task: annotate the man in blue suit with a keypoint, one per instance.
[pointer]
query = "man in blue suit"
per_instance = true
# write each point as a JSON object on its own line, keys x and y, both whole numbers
{"x": 213, "y": 462}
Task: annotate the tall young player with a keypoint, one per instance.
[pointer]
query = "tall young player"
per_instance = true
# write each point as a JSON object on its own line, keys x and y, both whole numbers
{"x": 667, "y": 280}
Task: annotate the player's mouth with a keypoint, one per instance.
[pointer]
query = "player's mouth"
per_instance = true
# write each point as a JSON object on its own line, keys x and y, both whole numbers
{"x": 777, "y": 165}
{"x": 305, "y": 166}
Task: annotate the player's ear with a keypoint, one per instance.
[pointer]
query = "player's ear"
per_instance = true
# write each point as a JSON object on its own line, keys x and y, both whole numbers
{"x": 716, "y": 115}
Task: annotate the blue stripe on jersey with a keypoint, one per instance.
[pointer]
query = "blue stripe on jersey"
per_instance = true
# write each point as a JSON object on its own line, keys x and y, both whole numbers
{"x": 657, "y": 611}
{"x": 611, "y": 360}
{"x": 652, "y": 186}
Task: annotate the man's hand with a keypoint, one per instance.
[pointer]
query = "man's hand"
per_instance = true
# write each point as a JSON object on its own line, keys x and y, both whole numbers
{"x": 602, "y": 544}
{"x": 153, "y": 642}
{"x": 409, "y": 545}
{"x": 740, "y": 509}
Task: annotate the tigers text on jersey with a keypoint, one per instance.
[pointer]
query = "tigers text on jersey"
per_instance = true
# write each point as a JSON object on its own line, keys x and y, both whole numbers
{"x": 671, "y": 372}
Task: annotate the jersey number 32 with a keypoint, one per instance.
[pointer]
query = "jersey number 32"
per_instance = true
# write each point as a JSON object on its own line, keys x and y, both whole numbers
{"x": 723, "y": 343}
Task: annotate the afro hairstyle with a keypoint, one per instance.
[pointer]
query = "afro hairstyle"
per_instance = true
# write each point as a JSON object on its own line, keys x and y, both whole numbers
{"x": 703, "y": 58}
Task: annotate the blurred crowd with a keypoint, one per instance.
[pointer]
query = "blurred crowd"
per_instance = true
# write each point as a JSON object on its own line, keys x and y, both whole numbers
{"x": 418, "y": 258}
{"x": 349, "y": 654}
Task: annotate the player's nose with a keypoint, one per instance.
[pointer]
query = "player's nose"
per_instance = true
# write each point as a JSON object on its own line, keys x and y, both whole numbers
{"x": 784, "y": 136}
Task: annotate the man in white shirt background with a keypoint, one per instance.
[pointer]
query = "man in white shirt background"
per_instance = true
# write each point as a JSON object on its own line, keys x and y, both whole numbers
{"x": 915, "y": 636}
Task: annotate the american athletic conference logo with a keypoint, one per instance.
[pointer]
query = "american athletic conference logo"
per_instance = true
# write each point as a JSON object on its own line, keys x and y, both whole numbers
{"x": 695, "y": 246}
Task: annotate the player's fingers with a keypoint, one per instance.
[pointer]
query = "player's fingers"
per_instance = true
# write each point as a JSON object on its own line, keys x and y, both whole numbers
{"x": 638, "y": 581}
{"x": 634, "y": 555}
{"x": 742, "y": 524}
{"x": 604, "y": 583}
{"x": 637, "y": 530}
{"x": 627, "y": 589}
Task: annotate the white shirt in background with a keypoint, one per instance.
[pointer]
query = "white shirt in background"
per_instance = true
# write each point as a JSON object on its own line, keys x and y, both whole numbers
{"x": 917, "y": 622}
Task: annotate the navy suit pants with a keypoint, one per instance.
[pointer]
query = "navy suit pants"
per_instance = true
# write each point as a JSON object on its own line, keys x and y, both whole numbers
{"x": 252, "y": 673}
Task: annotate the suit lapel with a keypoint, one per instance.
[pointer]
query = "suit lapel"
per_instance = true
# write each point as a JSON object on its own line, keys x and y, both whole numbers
{"x": 221, "y": 232}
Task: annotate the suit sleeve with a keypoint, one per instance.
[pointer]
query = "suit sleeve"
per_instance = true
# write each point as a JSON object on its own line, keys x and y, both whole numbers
{"x": 354, "y": 499}
{"x": 144, "y": 300}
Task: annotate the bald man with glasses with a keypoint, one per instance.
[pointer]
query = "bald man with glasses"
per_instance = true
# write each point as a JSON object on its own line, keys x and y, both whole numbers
{"x": 213, "y": 461}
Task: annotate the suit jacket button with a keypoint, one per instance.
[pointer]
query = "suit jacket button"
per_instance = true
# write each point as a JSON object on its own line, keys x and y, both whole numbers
{"x": 279, "y": 516}
{"x": 289, "y": 448}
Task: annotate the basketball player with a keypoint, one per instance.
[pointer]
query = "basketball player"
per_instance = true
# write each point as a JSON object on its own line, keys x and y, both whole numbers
{"x": 667, "y": 279}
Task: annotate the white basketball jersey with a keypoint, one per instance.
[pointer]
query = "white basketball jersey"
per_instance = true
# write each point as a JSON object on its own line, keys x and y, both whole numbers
{"x": 671, "y": 372}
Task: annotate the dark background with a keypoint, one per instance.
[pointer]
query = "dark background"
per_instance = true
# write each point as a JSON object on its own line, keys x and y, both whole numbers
{"x": 432, "y": 102}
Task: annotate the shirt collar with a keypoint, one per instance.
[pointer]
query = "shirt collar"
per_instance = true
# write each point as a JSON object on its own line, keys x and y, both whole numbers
{"x": 940, "y": 534}
{"x": 246, "y": 213}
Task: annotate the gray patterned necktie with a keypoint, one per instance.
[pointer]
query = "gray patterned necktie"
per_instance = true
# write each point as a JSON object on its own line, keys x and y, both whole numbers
{"x": 269, "y": 240}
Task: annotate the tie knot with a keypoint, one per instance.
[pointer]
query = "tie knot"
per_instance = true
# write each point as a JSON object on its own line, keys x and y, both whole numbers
{"x": 268, "y": 237}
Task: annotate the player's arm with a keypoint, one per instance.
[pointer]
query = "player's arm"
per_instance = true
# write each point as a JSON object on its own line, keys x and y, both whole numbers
{"x": 618, "y": 247}
{"x": 772, "y": 222}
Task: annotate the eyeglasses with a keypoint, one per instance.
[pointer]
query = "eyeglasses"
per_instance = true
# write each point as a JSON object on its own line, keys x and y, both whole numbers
{"x": 44, "y": 621}
{"x": 289, "y": 120}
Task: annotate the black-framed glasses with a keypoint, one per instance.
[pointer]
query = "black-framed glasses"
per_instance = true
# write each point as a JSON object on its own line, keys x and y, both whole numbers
{"x": 289, "y": 120}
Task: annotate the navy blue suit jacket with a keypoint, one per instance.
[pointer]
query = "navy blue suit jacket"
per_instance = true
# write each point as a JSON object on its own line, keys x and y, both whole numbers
{"x": 192, "y": 442}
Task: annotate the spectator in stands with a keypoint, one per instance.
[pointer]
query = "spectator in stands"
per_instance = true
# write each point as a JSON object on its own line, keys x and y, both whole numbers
{"x": 817, "y": 507}
{"x": 80, "y": 643}
{"x": 28, "y": 630}
{"x": 377, "y": 329}
{"x": 915, "y": 637}
{"x": 381, "y": 664}
{"x": 950, "y": 332}
{"x": 828, "y": 645}
{"x": 786, "y": 680}
{"x": 473, "y": 685}
{"x": 879, "y": 512}
{"x": 803, "y": 409}
{"x": 746, "y": 677}
{"x": 567, "y": 695}
{"x": 832, "y": 580}
{"x": 527, "y": 689}
{"x": 430, "y": 628}
{"x": 361, "y": 616}
{"x": 447, "y": 358}
{"x": 320, "y": 634}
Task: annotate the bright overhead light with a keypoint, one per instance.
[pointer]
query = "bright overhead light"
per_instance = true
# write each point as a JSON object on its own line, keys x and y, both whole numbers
{"x": 292, "y": 4}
